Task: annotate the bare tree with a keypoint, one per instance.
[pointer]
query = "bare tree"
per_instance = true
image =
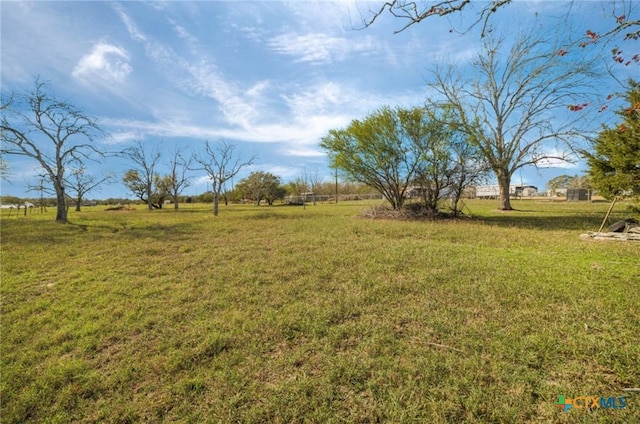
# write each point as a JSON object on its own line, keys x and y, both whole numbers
{"x": 140, "y": 179}
{"x": 468, "y": 169}
{"x": 220, "y": 164}
{"x": 53, "y": 132}
{"x": 5, "y": 173}
{"x": 313, "y": 181}
{"x": 414, "y": 12}
{"x": 513, "y": 105}
{"x": 80, "y": 183}
{"x": 177, "y": 180}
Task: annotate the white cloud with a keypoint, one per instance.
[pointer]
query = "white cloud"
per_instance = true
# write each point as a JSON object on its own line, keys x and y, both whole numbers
{"x": 238, "y": 107}
{"x": 253, "y": 33}
{"x": 318, "y": 48}
{"x": 119, "y": 137}
{"x": 314, "y": 48}
{"x": 104, "y": 62}
{"x": 128, "y": 22}
{"x": 201, "y": 77}
{"x": 317, "y": 98}
{"x": 303, "y": 151}
{"x": 201, "y": 180}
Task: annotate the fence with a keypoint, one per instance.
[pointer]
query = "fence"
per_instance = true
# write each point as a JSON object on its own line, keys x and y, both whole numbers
{"x": 329, "y": 198}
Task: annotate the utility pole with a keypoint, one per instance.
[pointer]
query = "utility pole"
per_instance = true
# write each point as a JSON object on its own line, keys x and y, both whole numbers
{"x": 336, "y": 184}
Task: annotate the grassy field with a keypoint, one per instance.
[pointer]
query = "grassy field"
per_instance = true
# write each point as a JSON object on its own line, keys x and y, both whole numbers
{"x": 291, "y": 315}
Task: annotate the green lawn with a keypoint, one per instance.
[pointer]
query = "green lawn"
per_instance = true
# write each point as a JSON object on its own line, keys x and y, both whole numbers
{"x": 284, "y": 314}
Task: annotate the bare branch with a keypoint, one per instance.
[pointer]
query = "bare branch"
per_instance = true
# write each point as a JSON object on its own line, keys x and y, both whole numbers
{"x": 141, "y": 180}
{"x": 52, "y": 132}
{"x": 220, "y": 164}
{"x": 513, "y": 105}
{"x": 413, "y": 13}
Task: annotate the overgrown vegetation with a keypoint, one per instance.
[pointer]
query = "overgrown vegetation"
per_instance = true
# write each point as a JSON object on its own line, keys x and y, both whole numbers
{"x": 280, "y": 314}
{"x": 402, "y": 153}
{"x": 614, "y": 163}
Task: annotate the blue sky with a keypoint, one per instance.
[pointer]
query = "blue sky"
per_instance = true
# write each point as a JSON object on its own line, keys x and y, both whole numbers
{"x": 270, "y": 77}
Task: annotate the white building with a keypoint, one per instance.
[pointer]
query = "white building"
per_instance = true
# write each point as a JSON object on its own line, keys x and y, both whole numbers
{"x": 493, "y": 191}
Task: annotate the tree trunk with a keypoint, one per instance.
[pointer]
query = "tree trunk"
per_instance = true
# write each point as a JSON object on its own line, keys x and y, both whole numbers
{"x": 149, "y": 200}
{"x": 175, "y": 203}
{"x": 504, "y": 181}
{"x": 61, "y": 209}
{"x": 216, "y": 202}
{"x": 78, "y": 203}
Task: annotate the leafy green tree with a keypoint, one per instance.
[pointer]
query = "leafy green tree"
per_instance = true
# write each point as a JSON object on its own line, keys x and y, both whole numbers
{"x": 429, "y": 137}
{"x": 401, "y": 151}
{"x": 260, "y": 186}
{"x": 206, "y": 197}
{"x": 580, "y": 181}
{"x": 614, "y": 161}
{"x": 448, "y": 163}
{"x": 467, "y": 166}
{"x": 376, "y": 152}
{"x": 151, "y": 190}
{"x": 559, "y": 182}
{"x": 567, "y": 181}
{"x": 142, "y": 180}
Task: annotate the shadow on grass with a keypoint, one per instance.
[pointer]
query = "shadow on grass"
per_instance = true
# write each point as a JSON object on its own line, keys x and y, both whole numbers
{"x": 531, "y": 219}
{"x": 51, "y": 233}
{"x": 160, "y": 232}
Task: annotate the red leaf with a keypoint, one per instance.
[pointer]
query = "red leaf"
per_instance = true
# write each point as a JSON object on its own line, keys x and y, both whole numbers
{"x": 591, "y": 34}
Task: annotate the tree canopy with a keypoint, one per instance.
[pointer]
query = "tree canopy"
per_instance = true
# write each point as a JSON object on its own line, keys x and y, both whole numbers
{"x": 54, "y": 133}
{"x": 376, "y": 151}
{"x": 400, "y": 152}
{"x": 142, "y": 180}
{"x": 260, "y": 185}
{"x": 506, "y": 106}
{"x": 614, "y": 161}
